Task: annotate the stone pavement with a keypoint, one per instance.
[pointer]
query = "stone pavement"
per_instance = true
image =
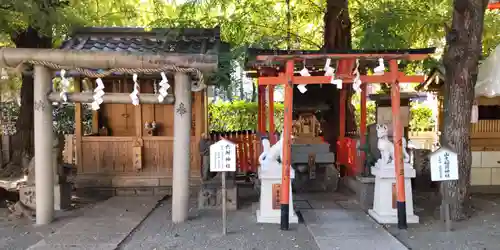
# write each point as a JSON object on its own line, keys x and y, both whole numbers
{"x": 102, "y": 227}
{"x": 348, "y": 230}
{"x": 203, "y": 230}
{"x": 337, "y": 222}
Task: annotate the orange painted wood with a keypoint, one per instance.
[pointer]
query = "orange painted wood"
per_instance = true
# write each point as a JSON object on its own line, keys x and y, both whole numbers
{"x": 287, "y": 132}
{"x": 342, "y": 119}
{"x": 277, "y": 80}
{"x": 345, "y": 66}
{"x": 397, "y": 132}
{"x": 251, "y": 151}
{"x": 272, "y": 139}
{"x": 385, "y": 56}
{"x": 494, "y": 6}
{"x": 362, "y": 126}
{"x": 261, "y": 115}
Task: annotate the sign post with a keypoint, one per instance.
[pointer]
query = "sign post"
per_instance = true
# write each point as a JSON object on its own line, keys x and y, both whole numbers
{"x": 223, "y": 159}
{"x": 444, "y": 168}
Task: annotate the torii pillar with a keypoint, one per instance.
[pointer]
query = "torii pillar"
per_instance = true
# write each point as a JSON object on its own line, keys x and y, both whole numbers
{"x": 44, "y": 174}
{"x": 182, "y": 141}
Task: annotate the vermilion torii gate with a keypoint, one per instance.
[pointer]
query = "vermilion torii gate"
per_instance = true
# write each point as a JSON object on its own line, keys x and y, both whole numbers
{"x": 279, "y": 67}
{"x": 494, "y": 5}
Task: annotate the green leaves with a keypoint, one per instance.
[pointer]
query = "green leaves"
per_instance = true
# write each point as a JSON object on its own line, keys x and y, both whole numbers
{"x": 238, "y": 115}
{"x": 241, "y": 115}
{"x": 421, "y": 118}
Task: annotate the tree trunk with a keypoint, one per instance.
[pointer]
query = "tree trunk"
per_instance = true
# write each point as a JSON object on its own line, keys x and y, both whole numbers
{"x": 464, "y": 47}
{"x": 337, "y": 36}
{"x": 23, "y": 140}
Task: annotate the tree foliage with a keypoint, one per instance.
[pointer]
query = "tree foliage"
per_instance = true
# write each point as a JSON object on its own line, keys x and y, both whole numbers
{"x": 238, "y": 116}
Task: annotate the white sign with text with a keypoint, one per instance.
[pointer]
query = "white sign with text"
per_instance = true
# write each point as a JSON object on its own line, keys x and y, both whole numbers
{"x": 223, "y": 156}
{"x": 444, "y": 165}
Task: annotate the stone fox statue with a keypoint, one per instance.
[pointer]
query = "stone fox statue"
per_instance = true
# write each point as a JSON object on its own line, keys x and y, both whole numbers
{"x": 386, "y": 147}
{"x": 271, "y": 153}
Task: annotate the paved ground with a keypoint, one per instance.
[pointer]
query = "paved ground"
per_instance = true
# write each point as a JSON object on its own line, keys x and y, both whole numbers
{"x": 337, "y": 222}
{"x": 102, "y": 227}
{"x": 204, "y": 231}
{"x": 333, "y": 221}
{"x": 480, "y": 232}
{"x": 21, "y": 234}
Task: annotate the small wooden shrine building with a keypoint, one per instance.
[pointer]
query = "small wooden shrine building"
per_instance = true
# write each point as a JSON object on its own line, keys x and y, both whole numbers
{"x": 128, "y": 149}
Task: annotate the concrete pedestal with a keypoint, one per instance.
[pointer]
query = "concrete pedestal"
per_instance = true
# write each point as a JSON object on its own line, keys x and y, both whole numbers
{"x": 62, "y": 196}
{"x": 266, "y": 213}
{"x": 384, "y": 203}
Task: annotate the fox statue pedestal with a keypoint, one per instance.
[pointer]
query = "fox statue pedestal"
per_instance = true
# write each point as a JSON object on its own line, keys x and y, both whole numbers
{"x": 385, "y": 198}
{"x": 384, "y": 203}
{"x": 270, "y": 187}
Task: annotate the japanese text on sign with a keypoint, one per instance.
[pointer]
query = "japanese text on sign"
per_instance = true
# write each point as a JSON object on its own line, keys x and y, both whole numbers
{"x": 223, "y": 156}
{"x": 444, "y": 165}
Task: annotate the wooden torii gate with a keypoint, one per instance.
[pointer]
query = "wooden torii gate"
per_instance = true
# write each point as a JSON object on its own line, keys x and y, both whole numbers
{"x": 47, "y": 60}
{"x": 275, "y": 60}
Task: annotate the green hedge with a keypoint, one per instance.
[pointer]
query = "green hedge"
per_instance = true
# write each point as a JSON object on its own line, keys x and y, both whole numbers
{"x": 238, "y": 115}
{"x": 241, "y": 115}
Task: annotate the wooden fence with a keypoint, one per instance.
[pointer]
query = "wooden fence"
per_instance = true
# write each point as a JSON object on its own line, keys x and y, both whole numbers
{"x": 424, "y": 139}
{"x": 248, "y": 147}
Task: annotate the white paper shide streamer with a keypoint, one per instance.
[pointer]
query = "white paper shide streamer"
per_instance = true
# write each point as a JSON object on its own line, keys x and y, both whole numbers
{"x": 65, "y": 86}
{"x": 330, "y": 71}
{"x": 164, "y": 86}
{"x": 302, "y": 87}
{"x": 356, "y": 85}
{"x": 379, "y": 70}
{"x": 135, "y": 94}
{"x": 98, "y": 94}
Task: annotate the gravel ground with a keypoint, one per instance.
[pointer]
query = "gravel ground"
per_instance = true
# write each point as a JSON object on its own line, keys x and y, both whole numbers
{"x": 203, "y": 231}
{"x": 480, "y": 232}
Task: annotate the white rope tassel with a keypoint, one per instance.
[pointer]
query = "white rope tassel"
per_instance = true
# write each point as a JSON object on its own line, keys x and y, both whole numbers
{"x": 99, "y": 93}
{"x": 356, "y": 85}
{"x": 135, "y": 94}
{"x": 65, "y": 86}
{"x": 164, "y": 86}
